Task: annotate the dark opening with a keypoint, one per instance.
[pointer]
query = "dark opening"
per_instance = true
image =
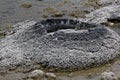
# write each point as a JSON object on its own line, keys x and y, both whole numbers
{"x": 52, "y": 25}
{"x": 114, "y": 19}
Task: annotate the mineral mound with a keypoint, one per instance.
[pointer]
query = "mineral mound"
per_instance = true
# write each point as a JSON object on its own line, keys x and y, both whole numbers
{"x": 63, "y": 44}
{"x": 102, "y": 15}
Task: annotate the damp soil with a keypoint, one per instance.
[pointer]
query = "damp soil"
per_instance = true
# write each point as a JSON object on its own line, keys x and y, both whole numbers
{"x": 12, "y": 11}
{"x": 89, "y": 74}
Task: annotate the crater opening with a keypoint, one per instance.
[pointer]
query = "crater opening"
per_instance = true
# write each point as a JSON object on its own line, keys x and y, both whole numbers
{"x": 52, "y": 25}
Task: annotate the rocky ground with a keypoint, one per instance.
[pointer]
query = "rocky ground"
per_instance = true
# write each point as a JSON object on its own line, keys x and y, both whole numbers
{"x": 13, "y": 11}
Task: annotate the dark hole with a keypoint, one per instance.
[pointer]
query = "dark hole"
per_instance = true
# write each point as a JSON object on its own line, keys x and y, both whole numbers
{"x": 84, "y": 25}
{"x": 114, "y": 19}
{"x": 59, "y": 27}
{"x": 52, "y": 25}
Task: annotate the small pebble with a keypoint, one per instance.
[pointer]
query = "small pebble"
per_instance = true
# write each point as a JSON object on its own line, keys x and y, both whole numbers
{"x": 26, "y": 5}
{"x": 89, "y": 76}
{"x": 36, "y": 73}
{"x": 50, "y": 75}
{"x": 110, "y": 24}
{"x": 108, "y": 76}
{"x": 57, "y": 15}
{"x": 70, "y": 75}
{"x": 118, "y": 63}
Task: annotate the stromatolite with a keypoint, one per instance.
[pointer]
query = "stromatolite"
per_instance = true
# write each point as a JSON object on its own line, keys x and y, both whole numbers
{"x": 103, "y": 14}
{"x": 64, "y": 44}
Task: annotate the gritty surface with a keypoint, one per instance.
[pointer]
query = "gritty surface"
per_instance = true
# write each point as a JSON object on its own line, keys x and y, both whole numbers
{"x": 12, "y": 12}
{"x": 101, "y": 15}
{"x": 65, "y": 49}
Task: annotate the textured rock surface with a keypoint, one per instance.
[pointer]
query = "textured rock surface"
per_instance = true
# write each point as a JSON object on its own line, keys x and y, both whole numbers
{"x": 101, "y": 15}
{"x": 108, "y": 2}
{"x": 59, "y": 44}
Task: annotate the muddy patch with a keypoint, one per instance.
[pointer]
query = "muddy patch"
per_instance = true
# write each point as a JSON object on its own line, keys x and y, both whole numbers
{"x": 90, "y": 74}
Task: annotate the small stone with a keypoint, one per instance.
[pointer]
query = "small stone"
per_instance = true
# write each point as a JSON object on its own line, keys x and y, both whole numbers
{"x": 108, "y": 76}
{"x": 118, "y": 63}
{"x": 57, "y": 15}
{"x": 2, "y": 34}
{"x": 26, "y": 5}
{"x": 36, "y": 73}
{"x": 89, "y": 76}
{"x": 110, "y": 24}
{"x": 51, "y": 75}
{"x": 45, "y": 16}
{"x": 70, "y": 75}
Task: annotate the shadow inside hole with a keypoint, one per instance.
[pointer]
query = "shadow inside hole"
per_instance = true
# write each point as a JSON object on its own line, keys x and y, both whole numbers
{"x": 114, "y": 19}
{"x": 52, "y": 25}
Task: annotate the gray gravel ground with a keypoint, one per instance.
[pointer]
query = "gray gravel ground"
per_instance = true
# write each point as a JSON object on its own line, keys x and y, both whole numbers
{"x": 12, "y": 12}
